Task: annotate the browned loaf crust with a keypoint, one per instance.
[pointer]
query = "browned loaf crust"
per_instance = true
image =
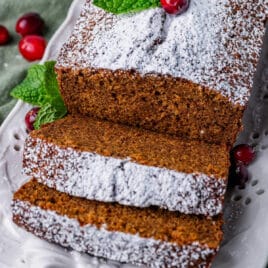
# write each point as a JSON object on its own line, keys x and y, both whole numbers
{"x": 162, "y": 238}
{"x": 111, "y": 162}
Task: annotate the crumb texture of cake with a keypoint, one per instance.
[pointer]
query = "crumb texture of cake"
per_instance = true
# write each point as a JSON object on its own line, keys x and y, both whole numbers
{"x": 115, "y": 163}
{"x": 187, "y": 75}
{"x": 151, "y": 236}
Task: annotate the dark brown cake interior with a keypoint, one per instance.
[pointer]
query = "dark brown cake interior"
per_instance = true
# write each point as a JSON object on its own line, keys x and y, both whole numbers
{"x": 149, "y": 222}
{"x": 142, "y": 146}
{"x": 160, "y": 103}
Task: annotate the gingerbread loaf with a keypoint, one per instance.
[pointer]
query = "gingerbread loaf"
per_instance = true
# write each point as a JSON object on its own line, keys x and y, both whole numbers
{"x": 151, "y": 236}
{"x": 187, "y": 75}
{"x": 110, "y": 162}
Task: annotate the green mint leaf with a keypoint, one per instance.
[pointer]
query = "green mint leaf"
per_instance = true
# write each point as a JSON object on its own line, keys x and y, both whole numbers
{"x": 40, "y": 85}
{"x": 125, "y": 6}
{"x": 40, "y": 88}
{"x": 32, "y": 89}
{"x": 48, "y": 114}
{"x": 51, "y": 84}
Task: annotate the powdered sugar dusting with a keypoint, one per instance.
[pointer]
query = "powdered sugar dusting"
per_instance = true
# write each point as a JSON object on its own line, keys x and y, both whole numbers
{"x": 90, "y": 175}
{"x": 215, "y": 43}
{"x": 118, "y": 246}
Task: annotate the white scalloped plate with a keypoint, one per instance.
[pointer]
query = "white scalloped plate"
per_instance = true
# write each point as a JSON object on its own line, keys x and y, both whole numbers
{"x": 246, "y": 229}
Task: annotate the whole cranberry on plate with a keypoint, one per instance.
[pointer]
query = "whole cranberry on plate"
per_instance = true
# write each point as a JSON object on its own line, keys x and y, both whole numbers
{"x": 30, "y": 118}
{"x": 243, "y": 154}
{"x": 175, "y": 6}
{"x": 29, "y": 24}
{"x": 238, "y": 175}
{"x": 32, "y": 47}
{"x": 241, "y": 175}
{"x": 4, "y": 35}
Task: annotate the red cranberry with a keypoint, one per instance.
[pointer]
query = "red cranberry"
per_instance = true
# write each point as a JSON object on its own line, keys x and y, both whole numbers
{"x": 32, "y": 47}
{"x": 238, "y": 175}
{"x": 4, "y": 35}
{"x": 241, "y": 175}
{"x": 30, "y": 23}
{"x": 243, "y": 154}
{"x": 175, "y": 6}
{"x": 30, "y": 118}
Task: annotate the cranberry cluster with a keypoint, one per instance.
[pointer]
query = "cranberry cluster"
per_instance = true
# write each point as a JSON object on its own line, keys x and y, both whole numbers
{"x": 32, "y": 45}
{"x": 241, "y": 156}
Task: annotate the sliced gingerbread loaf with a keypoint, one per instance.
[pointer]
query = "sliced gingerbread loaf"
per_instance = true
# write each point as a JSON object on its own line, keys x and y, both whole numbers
{"x": 110, "y": 162}
{"x": 152, "y": 236}
{"x": 187, "y": 75}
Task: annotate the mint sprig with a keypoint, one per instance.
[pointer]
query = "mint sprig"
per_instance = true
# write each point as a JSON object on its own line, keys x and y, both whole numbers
{"x": 40, "y": 88}
{"x": 126, "y": 6}
{"x": 47, "y": 114}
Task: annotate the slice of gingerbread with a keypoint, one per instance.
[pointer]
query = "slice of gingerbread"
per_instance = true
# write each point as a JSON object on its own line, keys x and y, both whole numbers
{"x": 151, "y": 236}
{"x": 110, "y": 162}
